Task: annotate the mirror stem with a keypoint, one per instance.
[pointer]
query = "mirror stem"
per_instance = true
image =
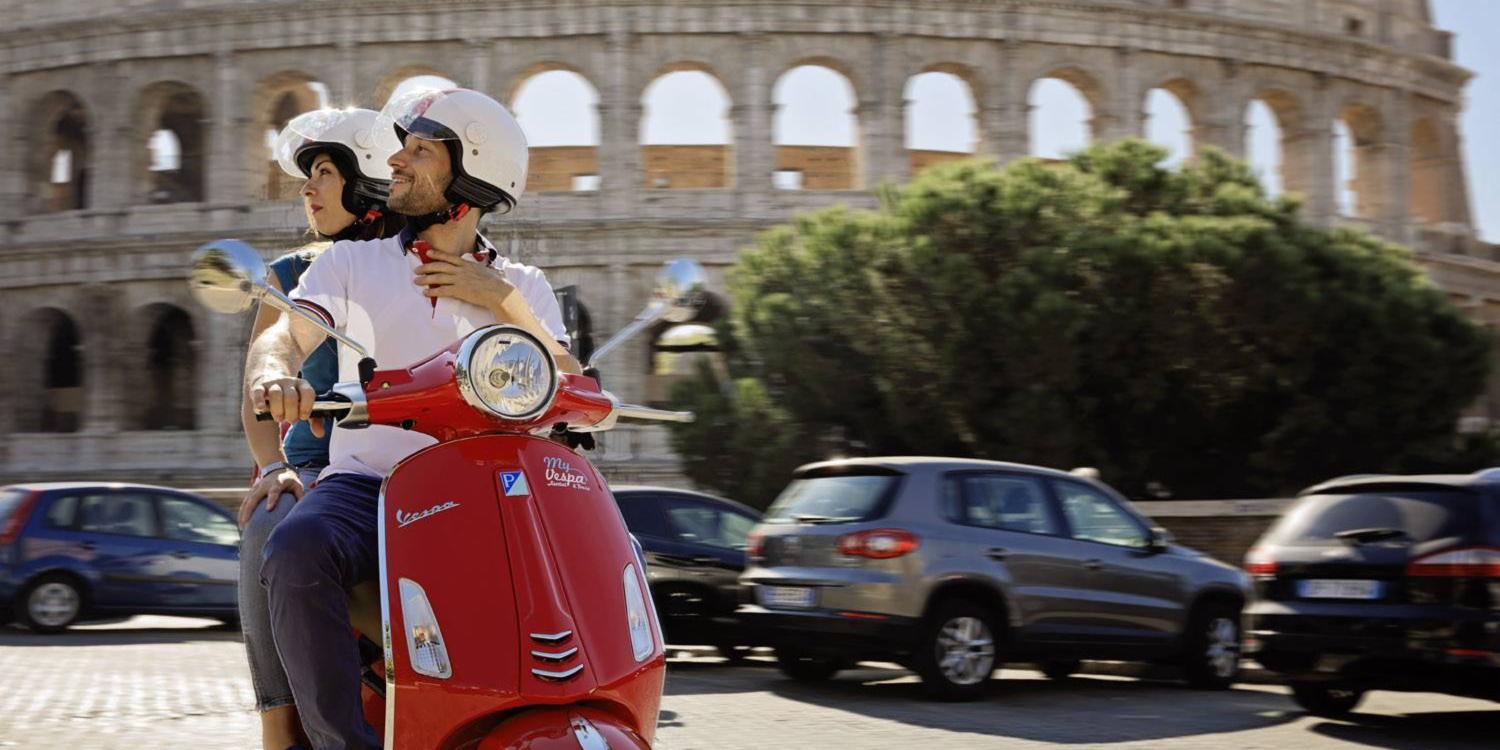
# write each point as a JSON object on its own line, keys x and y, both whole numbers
{"x": 650, "y": 315}
{"x": 284, "y": 303}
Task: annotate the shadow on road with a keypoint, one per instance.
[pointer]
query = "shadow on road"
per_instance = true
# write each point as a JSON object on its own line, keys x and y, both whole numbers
{"x": 1426, "y": 731}
{"x": 119, "y": 633}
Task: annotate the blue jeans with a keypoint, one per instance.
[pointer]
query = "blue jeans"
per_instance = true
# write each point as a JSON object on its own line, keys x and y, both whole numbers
{"x": 326, "y": 544}
{"x": 266, "y": 673}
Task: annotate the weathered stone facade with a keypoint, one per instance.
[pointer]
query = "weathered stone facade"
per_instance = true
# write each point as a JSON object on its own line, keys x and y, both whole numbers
{"x": 92, "y": 265}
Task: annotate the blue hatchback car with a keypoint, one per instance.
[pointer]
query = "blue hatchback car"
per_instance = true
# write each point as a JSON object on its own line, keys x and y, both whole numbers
{"x": 73, "y": 550}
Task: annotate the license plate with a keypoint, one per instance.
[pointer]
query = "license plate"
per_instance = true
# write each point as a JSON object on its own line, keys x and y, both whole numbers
{"x": 786, "y": 596}
{"x": 1339, "y": 589}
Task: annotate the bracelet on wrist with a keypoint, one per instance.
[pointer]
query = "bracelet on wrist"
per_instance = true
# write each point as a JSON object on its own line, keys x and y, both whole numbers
{"x": 266, "y": 470}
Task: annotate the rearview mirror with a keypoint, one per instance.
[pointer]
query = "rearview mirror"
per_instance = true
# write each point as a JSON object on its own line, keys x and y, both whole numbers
{"x": 228, "y": 276}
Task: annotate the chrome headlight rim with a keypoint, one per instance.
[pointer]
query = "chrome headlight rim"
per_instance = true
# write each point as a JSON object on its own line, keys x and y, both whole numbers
{"x": 463, "y": 371}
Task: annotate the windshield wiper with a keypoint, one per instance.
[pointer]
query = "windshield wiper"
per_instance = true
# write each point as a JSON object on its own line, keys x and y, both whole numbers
{"x": 816, "y": 519}
{"x": 1365, "y": 536}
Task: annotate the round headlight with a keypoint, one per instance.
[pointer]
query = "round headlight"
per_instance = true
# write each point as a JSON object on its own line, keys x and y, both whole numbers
{"x": 506, "y": 372}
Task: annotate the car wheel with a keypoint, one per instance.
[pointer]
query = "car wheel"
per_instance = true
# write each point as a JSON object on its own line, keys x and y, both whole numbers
{"x": 1326, "y": 699}
{"x": 1211, "y": 659}
{"x": 956, "y": 652}
{"x": 804, "y": 667}
{"x": 1060, "y": 669}
{"x": 50, "y": 604}
{"x": 731, "y": 653}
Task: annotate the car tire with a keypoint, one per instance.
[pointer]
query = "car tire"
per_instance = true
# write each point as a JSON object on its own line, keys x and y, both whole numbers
{"x": 957, "y": 652}
{"x": 804, "y": 667}
{"x": 50, "y": 604}
{"x": 1329, "y": 700}
{"x": 1212, "y": 647}
{"x": 1060, "y": 669}
{"x": 732, "y": 653}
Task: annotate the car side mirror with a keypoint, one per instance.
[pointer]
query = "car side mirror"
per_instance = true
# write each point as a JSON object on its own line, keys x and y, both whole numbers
{"x": 1159, "y": 540}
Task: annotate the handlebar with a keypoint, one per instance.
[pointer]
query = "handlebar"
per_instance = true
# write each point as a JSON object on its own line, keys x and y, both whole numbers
{"x": 323, "y": 407}
{"x": 632, "y": 411}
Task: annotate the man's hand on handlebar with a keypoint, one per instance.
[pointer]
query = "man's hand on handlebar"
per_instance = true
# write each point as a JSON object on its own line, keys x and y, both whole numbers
{"x": 286, "y": 400}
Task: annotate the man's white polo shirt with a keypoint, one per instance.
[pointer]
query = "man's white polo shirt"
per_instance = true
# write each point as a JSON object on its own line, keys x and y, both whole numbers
{"x": 367, "y": 290}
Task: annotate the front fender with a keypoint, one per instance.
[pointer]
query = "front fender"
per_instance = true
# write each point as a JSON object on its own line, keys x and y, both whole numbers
{"x": 563, "y": 728}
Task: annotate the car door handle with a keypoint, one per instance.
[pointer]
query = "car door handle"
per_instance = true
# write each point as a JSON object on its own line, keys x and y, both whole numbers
{"x": 88, "y": 546}
{"x": 1093, "y": 564}
{"x": 997, "y": 553}
{"x": 182, "y": 554}
{"x": 705, "y": 560}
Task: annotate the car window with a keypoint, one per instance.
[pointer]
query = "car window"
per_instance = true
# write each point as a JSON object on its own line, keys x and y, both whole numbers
{"x": 697, "y": 522}
{"x": 1421, "y": 515}
{"x": 187, "y": 521}
{"x": 1097, "y": 518}
{"x": 117, "y": 513}
{"x": 60, "y": 512}
{"x": 642, "y": 515}
{"x": 1005, "y": 501}
{"x": 833, "y": 498}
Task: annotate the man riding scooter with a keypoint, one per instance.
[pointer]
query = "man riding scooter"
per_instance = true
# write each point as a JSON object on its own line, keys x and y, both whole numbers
{"x": 457, "y": 154}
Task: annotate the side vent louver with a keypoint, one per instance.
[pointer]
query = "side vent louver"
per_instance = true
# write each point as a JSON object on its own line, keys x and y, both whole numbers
{"x": 554, "y": 656}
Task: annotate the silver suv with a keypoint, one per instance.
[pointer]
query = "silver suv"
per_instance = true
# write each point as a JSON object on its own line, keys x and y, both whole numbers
{"x": 951, "y": 567}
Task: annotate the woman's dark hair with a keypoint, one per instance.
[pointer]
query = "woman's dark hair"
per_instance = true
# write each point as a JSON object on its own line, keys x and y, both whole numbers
{"x": 372, "y": 220}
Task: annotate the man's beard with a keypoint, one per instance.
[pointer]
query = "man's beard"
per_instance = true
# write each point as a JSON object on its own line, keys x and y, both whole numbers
{"x": 421, "y": 198}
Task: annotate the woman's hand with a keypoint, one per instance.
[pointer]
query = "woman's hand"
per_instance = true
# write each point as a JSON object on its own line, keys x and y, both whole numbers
{"x": 449, "y": 275}
{"x": 270, "y": 488}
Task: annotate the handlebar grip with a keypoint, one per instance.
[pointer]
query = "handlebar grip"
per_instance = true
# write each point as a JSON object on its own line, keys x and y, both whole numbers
{"x": 263, "y": 416}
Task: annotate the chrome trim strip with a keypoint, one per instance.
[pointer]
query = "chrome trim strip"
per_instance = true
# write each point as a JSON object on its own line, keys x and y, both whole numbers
{"x": 560, "y": 656}
{"x": 552, "y": 639}
{"x": 566, "y": 674}
{"x": 359, "y": 407}
{"x": 385, "y": 623}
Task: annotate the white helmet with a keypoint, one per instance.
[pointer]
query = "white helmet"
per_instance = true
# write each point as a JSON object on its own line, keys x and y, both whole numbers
{"x": 486, "y": 143}
{"x": 346, "y": 135}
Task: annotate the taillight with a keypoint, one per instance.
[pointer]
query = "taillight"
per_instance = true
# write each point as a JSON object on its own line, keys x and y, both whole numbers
{"x": 12, "y": 529}
{"x": 1258, "y": 562}
{"x": 1465, "y": 562}
{"x": 755, "y": 544}
{"x": 878, "y": 544}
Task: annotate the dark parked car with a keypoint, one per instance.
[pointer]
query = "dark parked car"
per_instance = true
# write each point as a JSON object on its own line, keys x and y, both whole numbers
{"x": 1382, "y": 583}
{"x": 695, "y": 552}
{"x": 953, "y": 566}
{"x": 71, "y": 550}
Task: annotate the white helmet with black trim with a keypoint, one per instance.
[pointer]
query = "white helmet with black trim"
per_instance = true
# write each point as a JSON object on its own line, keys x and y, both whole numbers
{"x": 487, "y": 145}
{"x": 348, "y": 136}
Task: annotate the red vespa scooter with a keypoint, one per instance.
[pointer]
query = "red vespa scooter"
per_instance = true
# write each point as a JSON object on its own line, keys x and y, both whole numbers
{"x": 515, "y": 604}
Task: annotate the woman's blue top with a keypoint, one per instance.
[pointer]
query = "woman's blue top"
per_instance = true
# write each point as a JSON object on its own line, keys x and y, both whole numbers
{"x": 321, "y": 369}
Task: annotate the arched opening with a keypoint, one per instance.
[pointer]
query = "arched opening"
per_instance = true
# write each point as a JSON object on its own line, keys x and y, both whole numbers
{"x": 171, "y": 377}
{"x": 559, "y": 111}
{"x": 941, "y": 119}
{"x": 51, "y": 381}
{"x": 1356, "y": 155}
{"x": 1429, "y": 165}
{"x": 816, "y": 130}
{"x": 59, "y": 169}
{"x": 686, "y": 137}
{"x": 1263, "y": 145}
{"x": 176, "y": 144}
{"x": 1061, "y": 117}
{"x": 1169, "y": 124}
{"x": 281, "y": 98}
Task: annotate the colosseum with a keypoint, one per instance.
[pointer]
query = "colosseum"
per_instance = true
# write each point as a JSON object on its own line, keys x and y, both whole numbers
{"x": 138, "y": 131}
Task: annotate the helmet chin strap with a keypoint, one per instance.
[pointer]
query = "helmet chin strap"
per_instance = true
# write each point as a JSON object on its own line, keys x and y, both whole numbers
{"x": 452, "y": 213}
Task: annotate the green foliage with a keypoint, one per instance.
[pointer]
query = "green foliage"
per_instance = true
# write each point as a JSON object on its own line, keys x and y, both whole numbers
{"x": 1175, "y": 327}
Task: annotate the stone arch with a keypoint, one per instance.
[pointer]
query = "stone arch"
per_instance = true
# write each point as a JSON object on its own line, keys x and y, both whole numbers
{"x": 1280, "y": 157}
{"x": 279, "y": 98}
{"x": 1079, "y": 86}
{"x": 830, "y": 157}
{"x": 1174, "y": 119}
{"x": 168, "y": 375}
{"x": 1431, "y": 161}
{"x": 563, "y": 130}
{"x": 674, "y": 158}
{"x": 58, "y": 168}
{"x": 175, "y": 113}
{"x": 1365, "y": 149}
{"x": 942, "y": 116}
{"x": 393, "y": 80}
{"x": 50, "y": 378}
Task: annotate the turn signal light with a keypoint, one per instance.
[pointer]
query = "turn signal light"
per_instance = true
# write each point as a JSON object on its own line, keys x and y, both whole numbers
{"x": 1465, "y": 562}
{"x": 755, "y": 544}
{"x": 878, "y": 544}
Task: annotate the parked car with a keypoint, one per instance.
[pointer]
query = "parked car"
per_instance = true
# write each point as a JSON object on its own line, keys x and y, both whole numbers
{"x": 1382, "y": 583}
{"x": 695, "y": 552}
{"x": 73, "y": 550}
{"x": 954, "y": 566}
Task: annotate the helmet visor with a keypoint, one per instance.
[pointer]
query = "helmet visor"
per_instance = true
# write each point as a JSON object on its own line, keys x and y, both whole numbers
{"x": 407, "y": 115}
{"x": 304, "y": 131}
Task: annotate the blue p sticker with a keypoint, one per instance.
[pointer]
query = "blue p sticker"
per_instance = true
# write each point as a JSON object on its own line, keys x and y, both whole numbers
{"x": 514, "y": 483}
